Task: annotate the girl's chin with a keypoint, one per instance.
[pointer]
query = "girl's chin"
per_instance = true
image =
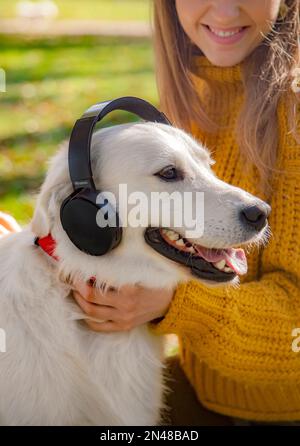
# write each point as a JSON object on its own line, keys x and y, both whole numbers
{"x": 220, "y": 59}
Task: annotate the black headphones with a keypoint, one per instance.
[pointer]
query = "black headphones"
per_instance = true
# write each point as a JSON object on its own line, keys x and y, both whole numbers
{"x": 79, "y": 210}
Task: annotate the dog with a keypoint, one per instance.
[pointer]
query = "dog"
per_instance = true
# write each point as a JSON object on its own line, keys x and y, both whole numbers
{"x": 56, "y": 371}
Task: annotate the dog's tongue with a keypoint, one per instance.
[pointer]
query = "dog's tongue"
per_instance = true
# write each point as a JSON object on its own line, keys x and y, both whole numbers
{"x": 235, "y": 258}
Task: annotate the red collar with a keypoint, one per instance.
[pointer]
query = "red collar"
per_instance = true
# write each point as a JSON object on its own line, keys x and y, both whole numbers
{"x": 47, "y": 244}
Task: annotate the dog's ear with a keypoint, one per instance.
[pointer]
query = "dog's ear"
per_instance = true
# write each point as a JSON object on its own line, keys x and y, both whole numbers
{"x": 55, "y": 188}
{"x": 40, "y": 223}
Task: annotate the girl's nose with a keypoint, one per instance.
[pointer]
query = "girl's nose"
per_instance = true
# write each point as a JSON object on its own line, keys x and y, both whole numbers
{"x": 225, "y": 12}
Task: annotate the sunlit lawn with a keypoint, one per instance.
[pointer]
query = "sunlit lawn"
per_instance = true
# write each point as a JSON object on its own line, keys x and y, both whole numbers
{"x": 49, "y": 84}
{"x": 90, "y": 9}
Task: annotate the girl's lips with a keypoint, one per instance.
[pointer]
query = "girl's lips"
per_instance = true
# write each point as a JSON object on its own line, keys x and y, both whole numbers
{"x": 226, "y": 40}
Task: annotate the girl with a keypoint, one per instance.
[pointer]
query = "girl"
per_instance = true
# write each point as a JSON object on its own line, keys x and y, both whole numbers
{"x": 226, "y": 73}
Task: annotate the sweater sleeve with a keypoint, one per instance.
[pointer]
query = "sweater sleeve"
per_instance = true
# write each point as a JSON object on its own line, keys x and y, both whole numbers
{"x": 246, "y": 331}
{"x": 249, "y": 326}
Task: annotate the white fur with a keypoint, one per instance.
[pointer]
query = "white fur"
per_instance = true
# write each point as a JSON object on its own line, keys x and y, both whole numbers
{"x": 55, "y": 370}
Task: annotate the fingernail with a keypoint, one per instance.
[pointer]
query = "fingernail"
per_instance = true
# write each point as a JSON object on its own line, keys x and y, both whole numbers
{"x": 92, "y": 281}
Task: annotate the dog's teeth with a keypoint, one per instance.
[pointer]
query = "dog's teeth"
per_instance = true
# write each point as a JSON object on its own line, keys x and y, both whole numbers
{"x": 180, "y": 242}
{"x": 228, "y": 270}
{"x": 190, "y": 249}
{"x": 173, "y": 235}
{"x": 220, "y": 264}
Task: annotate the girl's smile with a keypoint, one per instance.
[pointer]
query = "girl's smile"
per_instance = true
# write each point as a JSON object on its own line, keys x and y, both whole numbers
{"x": 236, "y": 26}
{"x": 224, "y": 36}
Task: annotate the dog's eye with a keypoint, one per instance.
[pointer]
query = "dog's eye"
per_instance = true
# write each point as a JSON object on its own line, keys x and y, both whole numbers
{"x": 170, "y": 173}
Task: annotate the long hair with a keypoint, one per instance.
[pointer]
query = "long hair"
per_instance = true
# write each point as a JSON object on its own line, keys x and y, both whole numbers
{"x": 267, "y": 76}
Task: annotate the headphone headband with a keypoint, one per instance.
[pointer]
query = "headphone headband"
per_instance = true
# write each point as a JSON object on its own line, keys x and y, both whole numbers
{"x": 81, "y": 136}
{"x": 80, "y": 210}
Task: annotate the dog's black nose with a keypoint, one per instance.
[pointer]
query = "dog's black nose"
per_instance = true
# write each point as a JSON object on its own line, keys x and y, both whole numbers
{"x": 255, "y": 216}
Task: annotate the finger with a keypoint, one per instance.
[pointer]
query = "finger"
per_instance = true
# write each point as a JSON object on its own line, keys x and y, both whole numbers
{"x": 90, "y": 291}
{"x": 99, "y": 312}
{"x": 82, "y": 288}
{"x": 3, "y": 230}
{"x": 102, "y": 286}
{"x": 111, "y": 296}
{"x": 8, "y": 222}
{"x": 94, "y": 297}
{"x": 103, "y": 327}
{"x": 97, "y": 296}
{"x": 128, "y": 289}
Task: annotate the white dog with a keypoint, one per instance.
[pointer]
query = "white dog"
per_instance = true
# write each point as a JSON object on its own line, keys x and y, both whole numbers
{"x": 55, "y": 371}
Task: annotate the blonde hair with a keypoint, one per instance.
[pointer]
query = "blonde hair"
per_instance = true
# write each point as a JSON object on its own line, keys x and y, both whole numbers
{"x": 266, "y": 77}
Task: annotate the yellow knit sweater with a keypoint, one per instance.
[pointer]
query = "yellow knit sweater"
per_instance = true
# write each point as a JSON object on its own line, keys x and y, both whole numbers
{"x": 236, "y": 344}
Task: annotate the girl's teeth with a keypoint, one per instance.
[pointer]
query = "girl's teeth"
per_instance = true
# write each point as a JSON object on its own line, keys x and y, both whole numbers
{"x": 224, "y": 33}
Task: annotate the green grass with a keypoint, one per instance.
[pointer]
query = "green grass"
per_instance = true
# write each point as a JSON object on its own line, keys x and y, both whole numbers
{"x": 50, "y": 82}
{"x": 91, "y": 9}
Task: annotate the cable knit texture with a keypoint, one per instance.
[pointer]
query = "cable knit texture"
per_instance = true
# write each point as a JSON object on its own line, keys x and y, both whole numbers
{"x": 236, "y": 343}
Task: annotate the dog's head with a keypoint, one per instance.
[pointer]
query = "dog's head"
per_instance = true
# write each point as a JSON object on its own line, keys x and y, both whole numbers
{"x": 155, "y": 160}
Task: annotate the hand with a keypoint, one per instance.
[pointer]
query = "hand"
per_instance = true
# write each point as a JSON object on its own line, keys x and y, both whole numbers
{"x": 121, "y": 310}
{"x": 8, "y": 224}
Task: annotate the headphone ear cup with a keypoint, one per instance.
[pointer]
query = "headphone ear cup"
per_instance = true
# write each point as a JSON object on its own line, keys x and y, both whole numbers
{"x": 83, "y": 221}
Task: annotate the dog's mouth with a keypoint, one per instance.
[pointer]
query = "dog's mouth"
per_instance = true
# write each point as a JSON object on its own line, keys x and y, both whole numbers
{"x": 216, "y": 265}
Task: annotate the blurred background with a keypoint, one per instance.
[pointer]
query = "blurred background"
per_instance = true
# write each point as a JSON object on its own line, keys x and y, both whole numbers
{"x": 59, "y": 58}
